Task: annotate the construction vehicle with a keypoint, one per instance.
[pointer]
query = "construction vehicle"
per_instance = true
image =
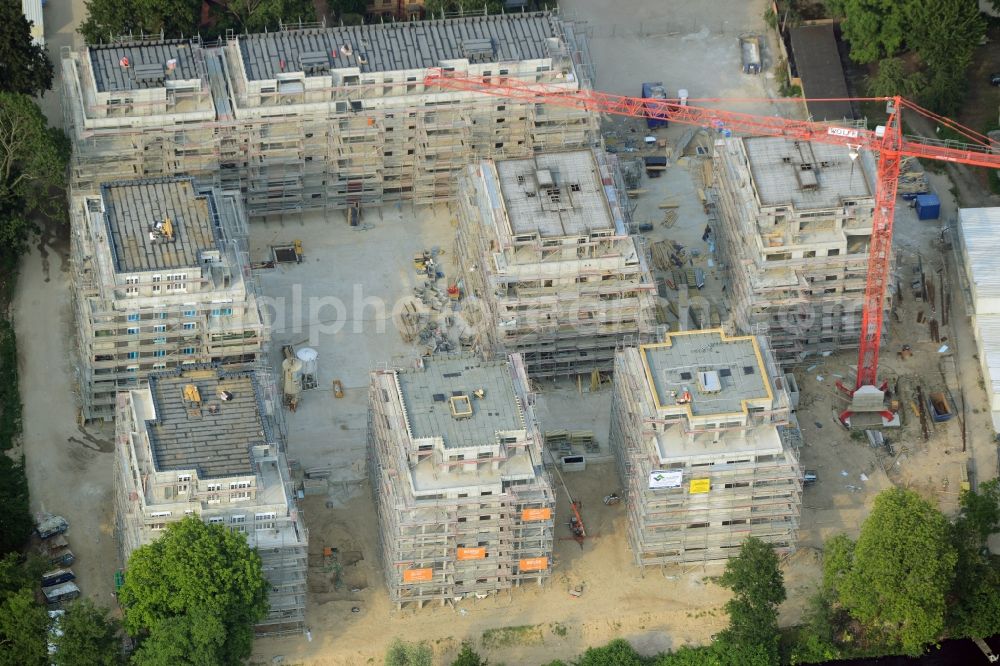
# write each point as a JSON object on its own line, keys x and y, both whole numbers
{"x": 886, "y": 141}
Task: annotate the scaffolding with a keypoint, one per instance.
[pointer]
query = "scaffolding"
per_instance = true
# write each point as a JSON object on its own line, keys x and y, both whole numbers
{"x": 295, "y": 128}
{"x": 698, "y": 478}
{"x": 140, "y": 315}
{"x": 795, "y": 225}
{"x": 545, "y": 249}
{"x": 181, "y": 449}
{"x": 464, "y": 509}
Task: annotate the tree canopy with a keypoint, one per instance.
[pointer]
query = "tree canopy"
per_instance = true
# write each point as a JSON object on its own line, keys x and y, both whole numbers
{"x": 874, "y": 28}
{"x": 108, "y": 20}
{"x": 943, "y": 33}
{"x": 974, "y": 604}
{"x": 194, "y": 593}
{"x": 24, "y": 66}
{"x": 15, "y": 519}
{"x": 758, "y": 589}
{"x": 89, "y": 637}
{"x": 24, "y": 627}
{"x": 895, "y": 578}
{"x": 33, "y": 160}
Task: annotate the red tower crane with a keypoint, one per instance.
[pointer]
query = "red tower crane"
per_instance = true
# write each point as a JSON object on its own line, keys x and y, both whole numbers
{"x": 887, "y": 141}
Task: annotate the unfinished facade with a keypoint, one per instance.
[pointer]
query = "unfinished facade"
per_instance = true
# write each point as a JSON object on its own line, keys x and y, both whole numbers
{"x": 796, "y": 222}
{"x": 545, "y": 248}
{"x": 465, "y": 506}
{"x": 707, "y": 456}
{"x": 321, "y": 117}
{"x": 160, "y": 281}
{"x": 201, "y": 442}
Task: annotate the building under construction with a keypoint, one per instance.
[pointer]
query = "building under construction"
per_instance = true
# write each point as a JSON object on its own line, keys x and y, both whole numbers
{"x": 205, "y": 442}
{"x": 315, "y": 118}
{"x": 545, "y": 248}
{"x": 796, "y": 222}
{"x": 706, "y": 453}
{"x": 465, "y": 506}
{"x": 160, "y": 280}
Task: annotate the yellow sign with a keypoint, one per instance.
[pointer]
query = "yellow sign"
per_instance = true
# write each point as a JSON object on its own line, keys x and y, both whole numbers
{"x": 700, "y": 486}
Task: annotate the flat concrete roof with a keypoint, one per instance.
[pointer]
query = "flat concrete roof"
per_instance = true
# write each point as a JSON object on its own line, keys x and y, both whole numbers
{"x": 719, "y": 372}
{"x": 216, "y": 436}
{"x": 147, "y": 64}
{"x": 387, "y": 47}
{"x": 817, "y": 61}
{"x": 803, "y": 174}
{"x": 555, "y": 195}
{"x": 133, "y": 208}
{"x": 427, "y": 396}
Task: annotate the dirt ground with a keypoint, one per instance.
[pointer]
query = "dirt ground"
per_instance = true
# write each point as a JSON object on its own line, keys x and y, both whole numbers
{"x": 69, "y": 468}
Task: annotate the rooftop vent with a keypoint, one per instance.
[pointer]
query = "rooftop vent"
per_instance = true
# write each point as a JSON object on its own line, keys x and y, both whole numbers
{"x": 709, "y": 382}
{"x": 479, "y": 50}
{"x": 314, "y": 62}
{"x": 461, "y": 407}
{"x": 544, "y": 178}
{"x": 148, "y": 73}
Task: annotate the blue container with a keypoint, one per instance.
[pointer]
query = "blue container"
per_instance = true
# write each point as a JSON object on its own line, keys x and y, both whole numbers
{"x": 654, "y": 91}
{"x": 928, "y": 207}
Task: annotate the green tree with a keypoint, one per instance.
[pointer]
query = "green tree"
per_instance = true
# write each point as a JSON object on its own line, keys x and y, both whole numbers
{"x": 893, "y": 79}
{"x": 33, "y": 160}
{"x": 874, "y": 28}
{"x": 24, "y": 630}
{"x": 691, "y": 656}
{"x": 401, "y": 653}
{"x": 108, "y": 20}
{"x": 900, "y": 570}
{"x": 209, "y": 578}
{"x": 618, "y": 652}
{"x": 469, "y": 657}
{"x": 15, "y": 519}
{"x": 974, "y": 608}
{"x": 758, "y": 589}
{"x": 258, "y": 15}
{"x": 980, "y": 509}
{"x": 89, "y": 638}
{"x": 24, "y": 66}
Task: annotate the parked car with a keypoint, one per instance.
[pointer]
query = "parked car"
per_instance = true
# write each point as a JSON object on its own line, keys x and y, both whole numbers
{"x": 809, "y": 477}
{"x": 60, "y": 593}
{"x": 50, "y": 525}
{"x": 995, "y": 79}
{"x": 56, "y": 550}
{"x": 57, "y": 576}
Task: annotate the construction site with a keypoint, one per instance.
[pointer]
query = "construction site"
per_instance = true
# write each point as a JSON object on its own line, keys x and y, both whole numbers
{"x": 795, "y": 222}
{"x": 320, "y": 118}
{"x": 465, "y": 506}
{"x": 547, "y": 358}
{"x": 201, "y": 442}
{"x": 161, "y": 280}
{"x": 706, "y": 446}
{"x": 546, "y": 250}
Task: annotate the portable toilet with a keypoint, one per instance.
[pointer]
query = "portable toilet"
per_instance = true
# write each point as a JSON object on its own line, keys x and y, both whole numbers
{"x": 928, "y": 206}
